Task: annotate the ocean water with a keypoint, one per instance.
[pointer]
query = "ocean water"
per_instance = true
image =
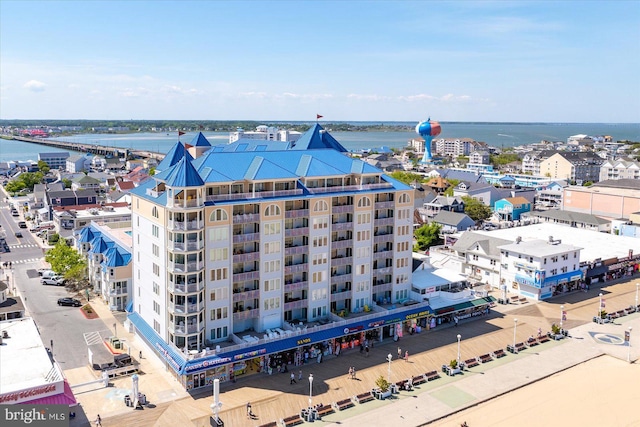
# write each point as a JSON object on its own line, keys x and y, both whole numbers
{"x": 495, "y": 134}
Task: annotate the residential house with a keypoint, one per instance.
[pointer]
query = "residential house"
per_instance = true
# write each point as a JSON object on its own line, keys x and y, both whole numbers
{"x": 85, "y": 182}
{"x": 483, "y": 192}
{"x": 510, "y": 209}
{"x": 573, "y": 219}
{"x": 480, "y": 257}
{"x": 453, "y": 222}
{"x": 78, "y": 163}
{"x": 438, "y": 185}
{"x": 76, "y": 217}
{"x": 55, "y": 160}
{"x": 443, "y": 203}
{"x": 619, "y": 169}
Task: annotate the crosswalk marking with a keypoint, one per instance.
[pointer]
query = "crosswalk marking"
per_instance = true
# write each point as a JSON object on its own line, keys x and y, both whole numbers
{"x": 92, "y": 338}
{"x": 25, "y": 261}
{"x": 22, "y": 246}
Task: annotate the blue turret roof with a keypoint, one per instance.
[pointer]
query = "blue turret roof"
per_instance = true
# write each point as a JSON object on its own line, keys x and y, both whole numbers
{"x": 182, "y": 174}
{"x": 87, "y": 234}
{"x": 315, "y": 138}
{"x": 177, "y": 152}
{"x": 200, "y": 141}
{"x": 115, "y": 257}
{"x": 99, "y": 244}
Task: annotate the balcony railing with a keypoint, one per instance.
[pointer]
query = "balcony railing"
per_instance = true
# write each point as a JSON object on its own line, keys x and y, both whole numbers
{"x": 383, "y": 270}
{"x": 185, "y": 308}
{"x": 342, "y": 209}
{"x": 252, "y": 256}
{"x": 342, "y": 244}
{"x": 296, "y": 286}
{"x": 293, "y": 232}
{"x": 185, "y": 225}
{"x": 383, "y": 238}
{"x": 296, "y": 250}
{"x": 183, "y": 288}
{"x": 382, "y": 286}
{"x": 342, "y": 226}
{"x": 243, "y": 238}
{"x": 296, "y": 213}
{"x": 298, "y": 268}
{"x": 115, "y": 292}
{"x": 340, "y": 278}
{"x": 341, "y": 188}
{"x": 292, "y": 305}
{"x": 247, "y": 275}
{"x": 246, "y": 218}
{"x": 184, "y": 267}
{"x": 246, "y": 314}
{"x": 247, "y": 295}
{"x": 254, "y": 195}
{"x": 341, "y": 295}
{"x": 341, "y": 260}
{"x": 384, "y": 205}
{"x": 384, "y": 221}
{"x": 185, "y": 246}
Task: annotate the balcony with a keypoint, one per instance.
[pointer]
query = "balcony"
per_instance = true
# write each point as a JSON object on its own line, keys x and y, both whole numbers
{"x": 341, "y": 278}
{"x": 342, "y": 209}
{"x": 185, "y": 308}
{"x": 252, "y": 256}
{"x": 246, "y": 218}
{"x": 243, "y": 238}
{"x": 254, "y": 195}
{"x": 185, "y": 225}
{"x": 341, "y": 188}
{"x": 296, "y": 250}
{"x": 191, "y": 266}
{"x": 342, "y": 226}
{"x": 384, "y": 221}
{"x": 382, "y": 286}
{"x": 298, "y": 268}
{"x": 246, "y": 314}
{"x": 246, "y": 275}
{"x": 116, "y": 292}
{"x": 183, "y": 288}
{"x": 185, "y": 246}
{"x": 341, "y": 260}
{"x": 341, "y": 295}
{"x": 295, "y": 304}
{"x": 383, "y": 270}
{"x": 387, "y": 253}
{"x": 246, "y": 295}
{"x": 385, "y": 205}
{"x": 296, "y": 213}
{"x": 383, "y": 238}
{"x": 342, "y": 244}
{"x": 296, "y": 286}
{"x": 293, "y": 232}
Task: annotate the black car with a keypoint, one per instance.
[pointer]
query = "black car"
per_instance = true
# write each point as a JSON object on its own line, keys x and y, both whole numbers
{"x": 69, "y": 302}
{"x": 18, "y": 234}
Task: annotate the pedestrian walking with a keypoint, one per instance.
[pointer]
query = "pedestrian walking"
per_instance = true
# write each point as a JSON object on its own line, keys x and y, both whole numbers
{"x": 249, "y": 414}
{"x": 300, "y": 376}
{"x": 140, "y": 355}
{"x": 406, "y": 356}
{"x": 293, "y": 378}
{"x": 361, "y": 348}
{"x": 455, "y": 321}
{"x": 98, "y": 421}
{"x": 399, "y": 353}
{"x": 367, "y": 351}
{"x": 350, "y": 372}
{"x": 539, "y": 332}
{"x": 353, "y": 370}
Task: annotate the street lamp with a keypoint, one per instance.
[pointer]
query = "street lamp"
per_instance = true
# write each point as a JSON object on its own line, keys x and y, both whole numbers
{"x": 389, "y": 359}
{"x": 629, "y": 346}
{"x": 599, "y": 307}
{"x": 115, "y": 328}
{"x": 515, "y": 326}
{"x": 459, "y": 336}
{"x": 637, "y": 287}
{"x": 561, "y": 315}
{"x": 310, "y": 395}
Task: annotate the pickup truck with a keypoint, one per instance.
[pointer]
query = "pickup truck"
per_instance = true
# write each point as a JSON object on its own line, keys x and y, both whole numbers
{"x": 55, "y": 281}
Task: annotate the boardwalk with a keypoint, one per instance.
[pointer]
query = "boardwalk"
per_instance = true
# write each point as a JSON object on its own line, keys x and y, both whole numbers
{"x": 273, "y": 398}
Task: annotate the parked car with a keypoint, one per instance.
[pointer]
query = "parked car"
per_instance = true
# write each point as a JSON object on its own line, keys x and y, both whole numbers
{"x": 14, "y": 213}
{"x": 22, "y": 224}
{"x": 18, "y": 233}
{"x": 55, "y": 281}
{"x": 48, "y": 274}
{"x": 69, "y": 302}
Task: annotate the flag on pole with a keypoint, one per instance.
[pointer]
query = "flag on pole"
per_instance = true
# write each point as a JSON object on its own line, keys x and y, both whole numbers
{"x": 318, "y": 116}
{"x": 180, "y": 133}
{"x": 602, "y": 304}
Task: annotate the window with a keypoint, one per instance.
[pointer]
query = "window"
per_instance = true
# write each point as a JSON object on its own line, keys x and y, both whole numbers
{"x": 320, "y": 241}
{"x": 320, "y": 259}
{"x": 319, "y": 312}
{"x": 218, "y": 215}
{"x": 564, "y": 269}
{"x": 403, "y": 246}
{"x": 319, "y": 294}
{"x": 156, "y": 288}
{"x": 402, "y": 262}
{"x": 363, "y": 252}
{"x": 320, "y": 223}
{"x": 271, "y": 228}
{"x": 219, "y": 333}
{"x": 219, "y": 274}
{"x": 272, "y": 210}
{"x": 474, "y": 257}
{"x": 154, "y": 212}
{"x": 575, "y": 254}
{"x": 403, "y": 230}
{"x": 221, "y": 254}
{"x": 565, "y": 257}
{"x": 156, "y": 307}
{"x": 319, "y": 276}
{"x": 554, "y": 259}
{"x": 219, "y": 294}
{"x": 493, "y": 262}
{"x": 362, "y": 286}
{"x": 364, "y": 202}
{"x": 156, "y": 326}
{"x": 402, "y": 294}
{"x": 218, "y": 234}
{"x": 364, "y": 218}
{"x": 156, "y": 269}
{"x": 272, "y": 266}
{"x": 219, "y": 313}
{"x": 404, "y": 199}
{"x": 155, "y": 230}
{"x": 362, "y": 269}
{"x": 545, "y": 261}
{"x": 554, "y": 271}
{"x": 271, "y": 285}
{"x": 272, "y": 248}
{"x": 320, "y": 206}
{"x": 155, "y": 250}
{"x": 272, "y": 303}
{"x": 363, "y": 235}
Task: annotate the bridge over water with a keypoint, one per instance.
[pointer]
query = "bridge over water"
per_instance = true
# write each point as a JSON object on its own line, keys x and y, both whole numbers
{"x": 102, "y": 150}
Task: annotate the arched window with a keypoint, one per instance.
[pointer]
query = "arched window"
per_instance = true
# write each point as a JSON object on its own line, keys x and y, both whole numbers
{"x": 154, "y": 212}
{"x": 272, "y": 210}
{"x": 404, "y": 199}
{"x": 320, "y": 206}
{"x": 364, "y": 202}
{"x": 218, "y": 215}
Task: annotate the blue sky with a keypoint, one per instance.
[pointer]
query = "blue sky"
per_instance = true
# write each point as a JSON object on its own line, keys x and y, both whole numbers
{"x": 347, "y": 60}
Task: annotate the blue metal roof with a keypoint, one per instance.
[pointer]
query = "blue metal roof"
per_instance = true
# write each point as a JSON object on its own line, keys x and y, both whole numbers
{"x": 116, "y": 257}
{"x": 182, "y": 174}
{"x": 174, "y": 358}
{"x": 100, "y": 244}
{"x": 87, "y": 234}
{"x": 177, "y": 152}
{"x": 200, "y": 141}
{"x": 317, "y": 138}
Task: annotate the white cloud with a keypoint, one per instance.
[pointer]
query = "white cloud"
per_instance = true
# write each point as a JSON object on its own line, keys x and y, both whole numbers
{"x": 35, "y": 86}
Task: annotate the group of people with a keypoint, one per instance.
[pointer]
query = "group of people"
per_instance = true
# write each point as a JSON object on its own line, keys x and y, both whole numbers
{"x": 406, "y": 354}
{"x": 352, "y": 373}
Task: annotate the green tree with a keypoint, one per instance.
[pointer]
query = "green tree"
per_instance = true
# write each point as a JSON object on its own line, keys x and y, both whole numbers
{"x": 64, "y": 259}
{"x": 504, "y": 158}
{"x": 66, "y": 182}
{"x": 476, "y": 210}
{"x": 453, "y": 183}
{"x": 426, "y": 236}
{"x": 406, "y": 177}
{"x": 43, "y": 167}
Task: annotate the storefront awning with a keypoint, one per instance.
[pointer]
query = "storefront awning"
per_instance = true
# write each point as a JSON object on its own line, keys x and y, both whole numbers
{"x": 65, "y": 398}
{"x": 478, "y": 302}
{"x": 174, "y": 358}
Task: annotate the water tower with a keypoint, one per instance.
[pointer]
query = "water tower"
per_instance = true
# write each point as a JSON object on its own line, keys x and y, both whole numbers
{"x": 427, "y": 130}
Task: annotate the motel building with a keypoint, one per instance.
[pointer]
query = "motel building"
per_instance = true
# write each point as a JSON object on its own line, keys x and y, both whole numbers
{"x": 540, "y": 269}
{"x": 28, "y": 374}
{"x": 255, "y": 255}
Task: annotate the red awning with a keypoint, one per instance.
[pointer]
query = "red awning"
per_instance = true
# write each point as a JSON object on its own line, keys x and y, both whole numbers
{"x": 66, "y": 398}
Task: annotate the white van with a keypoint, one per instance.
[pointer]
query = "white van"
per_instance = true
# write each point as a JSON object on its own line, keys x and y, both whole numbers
{"x": 50, "y": 274}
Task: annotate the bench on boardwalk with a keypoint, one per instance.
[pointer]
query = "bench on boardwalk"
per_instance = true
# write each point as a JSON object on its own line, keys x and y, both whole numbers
{"x": 293, "y": 420}
{"x": 341, "y": 405}
{"x": 271, "y": 424}
{"x": 485, "y": 358}
{"x": 532, "y": 342}
{"x": 401, "y": 385}
{"x": 325, "y": 410}
{"x": 499, "y": 353}
{"x": 364, "y": 397}
{"x": 417, "y": 380}
{"x": 543, "y": 339}
{"x": 514, "y": 299}
{"x": 433, "y": 375}
{"x": 621, "y": 313}
{"x": 523, "y": 300}
{"x": 520, "y": 346}
{"x": 470, "y": 363}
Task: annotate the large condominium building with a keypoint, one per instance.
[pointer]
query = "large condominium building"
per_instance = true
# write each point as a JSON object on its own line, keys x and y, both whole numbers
{"x": 454, "y": 146}
{"x": 619, "y": 169}
{"x": 241, "y": 243}
{"x": 265, "y": 133}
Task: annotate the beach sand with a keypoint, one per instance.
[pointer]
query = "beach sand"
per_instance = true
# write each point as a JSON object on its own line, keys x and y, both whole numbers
{"x": 602, "y": 392}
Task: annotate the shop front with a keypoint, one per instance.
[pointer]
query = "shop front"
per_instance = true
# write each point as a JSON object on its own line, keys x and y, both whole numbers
{"x": 464, "y": 310}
